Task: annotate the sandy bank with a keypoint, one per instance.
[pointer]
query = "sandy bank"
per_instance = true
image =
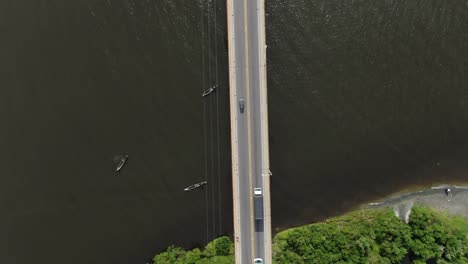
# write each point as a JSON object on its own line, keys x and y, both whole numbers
{"x": 454, "y": 203}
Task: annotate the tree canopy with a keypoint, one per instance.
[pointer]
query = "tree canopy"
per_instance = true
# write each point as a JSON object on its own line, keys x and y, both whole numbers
{"x": 376, "y": 236}
{"x": 220, "y": 250}
{"x": 365, "y": 236}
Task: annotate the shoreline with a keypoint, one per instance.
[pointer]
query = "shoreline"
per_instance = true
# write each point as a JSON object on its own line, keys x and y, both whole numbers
{"x": 409, "y": 195}
{"x": 414, "y": 189}
{"x": 454, "y": 203}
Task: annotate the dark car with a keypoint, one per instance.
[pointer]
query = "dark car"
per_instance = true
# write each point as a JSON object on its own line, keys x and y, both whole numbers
{"x": 241, "y": 105}
{"x": 258, "y": 261}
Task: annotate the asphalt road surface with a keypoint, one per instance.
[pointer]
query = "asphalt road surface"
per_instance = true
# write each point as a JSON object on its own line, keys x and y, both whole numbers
{"x": 250, "y": 130}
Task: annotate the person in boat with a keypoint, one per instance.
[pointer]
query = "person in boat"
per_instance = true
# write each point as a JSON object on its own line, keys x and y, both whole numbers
{"x": 447, "y": 191}
{"x": 195, "y": 186}
{"x": 209, "y": 91}
{"x": 122, "y": 162}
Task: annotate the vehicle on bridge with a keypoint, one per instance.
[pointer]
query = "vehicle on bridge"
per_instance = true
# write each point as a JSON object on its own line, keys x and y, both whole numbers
{"x": 258, "y": 261}
{"x": 257, "y": 191}
{"x": 258, "y": 204}
{"x": 241, "y": 105}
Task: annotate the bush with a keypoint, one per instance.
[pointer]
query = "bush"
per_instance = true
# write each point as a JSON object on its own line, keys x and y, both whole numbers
{"x": 376, "y": 236}
{"x": 218, "y": 251}
{"x": 437, "y": 236}
{"x": 368, "y": 236}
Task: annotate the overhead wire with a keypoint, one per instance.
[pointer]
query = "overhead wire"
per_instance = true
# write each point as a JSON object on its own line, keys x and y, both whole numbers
{"x": 211, "y": 137}
{"x": 205, "y": 161}
{"x": 217, "y": 117}
{"x": 211, "y": 119}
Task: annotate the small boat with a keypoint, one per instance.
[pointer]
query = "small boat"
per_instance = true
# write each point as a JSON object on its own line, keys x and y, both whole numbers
{"x": 207, "y": 92}
{"x": 122, "y": 162}
{"x": 195, "y": 186}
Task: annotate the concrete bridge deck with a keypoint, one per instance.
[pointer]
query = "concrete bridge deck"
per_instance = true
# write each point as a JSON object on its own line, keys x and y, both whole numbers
{"x": 249, "y": 128}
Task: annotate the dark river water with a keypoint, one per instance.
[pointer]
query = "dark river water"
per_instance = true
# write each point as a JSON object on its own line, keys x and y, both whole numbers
{"x": 365, "y": 98}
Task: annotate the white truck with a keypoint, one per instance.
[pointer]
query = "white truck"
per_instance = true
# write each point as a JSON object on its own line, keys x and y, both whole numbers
{"x": 258, "y": 204}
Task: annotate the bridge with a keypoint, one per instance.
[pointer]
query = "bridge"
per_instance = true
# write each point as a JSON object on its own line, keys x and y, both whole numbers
{"x": 249, "y": 129}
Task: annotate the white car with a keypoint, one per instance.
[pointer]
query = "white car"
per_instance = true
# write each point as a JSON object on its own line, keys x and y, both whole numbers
{"x": 258, "y": 261}
{"x": 257, "y": 191}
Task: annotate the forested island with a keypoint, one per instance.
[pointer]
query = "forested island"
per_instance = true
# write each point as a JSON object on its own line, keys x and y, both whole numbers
{"x": 364, "y": 236}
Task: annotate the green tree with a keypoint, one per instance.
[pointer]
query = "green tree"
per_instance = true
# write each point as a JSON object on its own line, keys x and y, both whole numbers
{"x": 368, "y": 236}
{"x": 171, "y": 255}
{"x": 218, "y": 251}
{"x": 376, "y": 237}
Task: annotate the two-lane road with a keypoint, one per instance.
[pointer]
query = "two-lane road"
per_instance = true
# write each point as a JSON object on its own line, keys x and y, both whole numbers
{"x": 246, "y": 38}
